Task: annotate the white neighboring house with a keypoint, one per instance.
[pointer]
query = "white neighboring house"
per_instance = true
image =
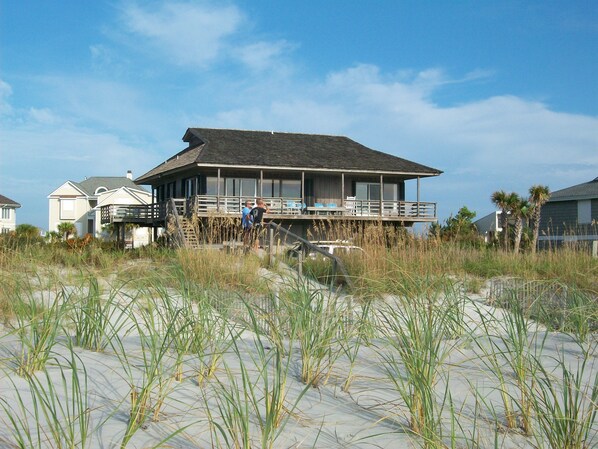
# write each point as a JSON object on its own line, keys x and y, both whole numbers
{"x": 8, "y": 216}
{"x": 489, "y": 226}
{"x": 80, "y": 202}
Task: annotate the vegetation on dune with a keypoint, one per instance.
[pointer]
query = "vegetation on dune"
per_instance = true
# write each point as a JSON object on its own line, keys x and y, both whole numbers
{"x": 247, "y": 353}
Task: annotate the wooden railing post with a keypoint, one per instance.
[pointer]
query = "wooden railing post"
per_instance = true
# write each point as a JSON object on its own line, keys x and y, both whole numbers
{"x": 270, "y": 247}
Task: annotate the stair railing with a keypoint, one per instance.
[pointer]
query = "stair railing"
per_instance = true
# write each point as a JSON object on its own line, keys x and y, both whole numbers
{"x": 337, "y": 265}
{"x": 179, "y": 239}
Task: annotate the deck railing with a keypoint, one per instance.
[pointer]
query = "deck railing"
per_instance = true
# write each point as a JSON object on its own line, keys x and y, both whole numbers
{"x": 142, "y": 212}
{"x": 213, "y": 204}
{"x": 205, "y": 204}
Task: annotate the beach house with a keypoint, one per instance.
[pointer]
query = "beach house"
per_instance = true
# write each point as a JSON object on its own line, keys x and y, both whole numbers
{"x": 81, "y": 202}
{"x": 302, "y": 177}
{"x": 8, "y": 216}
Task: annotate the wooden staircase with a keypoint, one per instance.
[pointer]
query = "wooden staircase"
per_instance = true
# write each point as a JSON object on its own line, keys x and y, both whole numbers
{"x": 190, "y": 236}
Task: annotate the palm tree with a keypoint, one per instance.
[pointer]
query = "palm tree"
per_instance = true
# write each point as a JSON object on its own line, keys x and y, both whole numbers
{"x": 504, "y": 201}
{"x": 520, "y": 209}
{"x": 67, "y": 229}
{"x": 538, "y": 196}
{"x": 27, "y": 231}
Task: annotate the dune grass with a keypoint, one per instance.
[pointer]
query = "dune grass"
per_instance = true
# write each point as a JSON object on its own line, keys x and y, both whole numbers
{"x": 408, "y": 309}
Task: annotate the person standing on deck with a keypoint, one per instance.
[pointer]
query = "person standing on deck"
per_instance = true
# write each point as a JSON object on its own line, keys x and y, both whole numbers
{"x": 247, "y": 223}
{"x": 257, "y": 214}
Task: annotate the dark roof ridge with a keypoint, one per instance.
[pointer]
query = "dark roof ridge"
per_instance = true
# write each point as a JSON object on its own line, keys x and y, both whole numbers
{"x": 270, "y": 132}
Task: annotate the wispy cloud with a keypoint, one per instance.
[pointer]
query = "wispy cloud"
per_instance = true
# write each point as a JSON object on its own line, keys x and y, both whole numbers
{"x": 499, "y": 142}
{"x": 5, "y": 93}
{"x": 263, "y": 55}
{"x": 98, "y": 123}
{"x": 185, "y": 33}
{"x": 199, "y": 35}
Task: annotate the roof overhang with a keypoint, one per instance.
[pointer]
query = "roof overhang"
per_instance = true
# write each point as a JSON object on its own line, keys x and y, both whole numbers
{"x": 409, "y": 175}
{"x": 573, "y": 198}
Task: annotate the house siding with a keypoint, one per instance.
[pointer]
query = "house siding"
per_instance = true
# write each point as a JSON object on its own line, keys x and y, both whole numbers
{"x": 558, "y": 217}
{"x": 559, "y": 222}
{"x": 9, "y": 223}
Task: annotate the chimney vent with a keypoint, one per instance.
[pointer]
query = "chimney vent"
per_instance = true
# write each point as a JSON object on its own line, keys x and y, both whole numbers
{"x": 129, "y": 174}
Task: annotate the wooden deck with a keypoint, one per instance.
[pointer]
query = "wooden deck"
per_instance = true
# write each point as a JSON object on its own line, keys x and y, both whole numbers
{"x": 280, "y": 208}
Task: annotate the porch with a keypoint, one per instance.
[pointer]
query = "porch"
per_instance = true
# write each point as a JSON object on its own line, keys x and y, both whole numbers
{"x": 279, "y": 207}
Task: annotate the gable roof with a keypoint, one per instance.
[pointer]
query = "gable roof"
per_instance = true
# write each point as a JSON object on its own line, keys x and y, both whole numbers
{"x": 584, "y": 191}
{"x": 140, "y": 195}
{"x": 268, "y": 149}
{"x": 5, "y": 201}
{"x": 90, "y": 185}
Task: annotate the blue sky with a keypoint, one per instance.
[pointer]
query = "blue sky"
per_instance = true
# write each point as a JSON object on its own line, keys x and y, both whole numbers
{"x": 498, "y": 95}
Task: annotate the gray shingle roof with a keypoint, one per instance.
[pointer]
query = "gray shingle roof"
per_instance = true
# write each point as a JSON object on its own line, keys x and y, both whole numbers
{"x": 584, "y": 191}
{"x": 5, "y": 201}
{"x": 90, "y": 185}
{"x": 226, "y": 147}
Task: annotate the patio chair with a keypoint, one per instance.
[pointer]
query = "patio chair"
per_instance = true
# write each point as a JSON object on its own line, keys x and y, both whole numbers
{"x": 293, "y": 208}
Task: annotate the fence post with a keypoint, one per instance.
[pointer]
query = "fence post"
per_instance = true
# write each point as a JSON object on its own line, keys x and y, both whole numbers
{"x": 595, "y": 249}
{"x": 276, "y": 301}
{"x": 300, "y": 262}
{"x": 334, "y": 270}
{"x": 270, "y": 247}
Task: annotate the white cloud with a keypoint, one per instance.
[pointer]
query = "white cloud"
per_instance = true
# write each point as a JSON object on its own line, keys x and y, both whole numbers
{"x": 5, "y": 93}
{"x": 262, "y": 55}
{"x": 103, "y": 126}
{"x": 43, "y": 115}
{"x": 500, "y": 142}
{"x": 198, "y": 35}
{"x": 185, "y": 33}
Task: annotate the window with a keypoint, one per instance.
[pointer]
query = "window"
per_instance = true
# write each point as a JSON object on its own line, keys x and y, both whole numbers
{"x": 242, "y": 187}
{"x": 5, "y": 230}
{"x": 369, "y": 191}
{"x": 246, "y": 187}
{"x": 212, "y": 186}
{"x": 189, "y": 187}
{"x": 390, "y": 192}
{"x": 290, "y": 188}
{"x": 286, "y": 188}
{"x": 161, "y": 193}
{"x": 67, "y": 209}
{"x": 170, "y": 190}
{"x": 271, "y": 188}
{"x": 6, "y": 213}
{"x": 584, "y": 212}
{"x": 100, "y": 190}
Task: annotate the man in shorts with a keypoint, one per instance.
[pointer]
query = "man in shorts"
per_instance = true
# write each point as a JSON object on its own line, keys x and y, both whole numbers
{"x": 257, "y": 214}
{"x": 247, "y": 223}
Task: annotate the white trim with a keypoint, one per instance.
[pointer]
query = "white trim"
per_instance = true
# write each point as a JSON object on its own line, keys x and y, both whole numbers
{"x": 53, "y": 195}
{"x": 172, "y": 172}
{"x": 567, "y": 238}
